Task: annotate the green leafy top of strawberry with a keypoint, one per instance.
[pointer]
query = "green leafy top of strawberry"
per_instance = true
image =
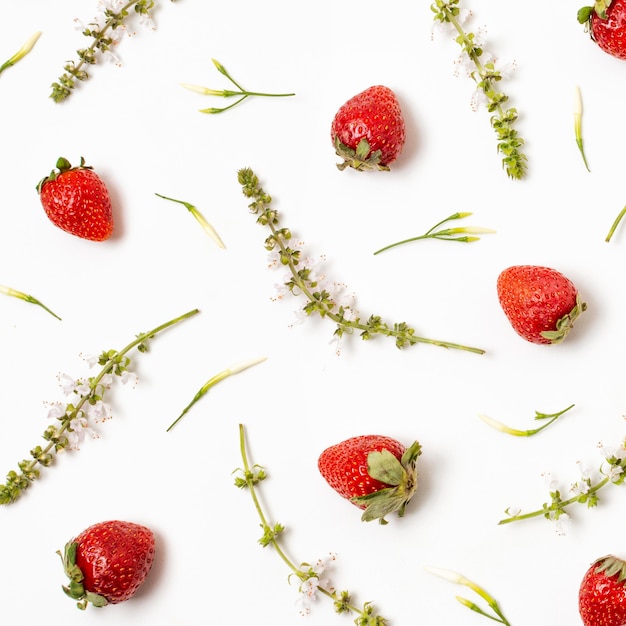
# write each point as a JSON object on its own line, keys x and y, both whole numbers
{"x": 599, "y": 7}
{"x": 400, "y": 475}
{"x": 62, "y": 165}
{"x": 76, "y": 589}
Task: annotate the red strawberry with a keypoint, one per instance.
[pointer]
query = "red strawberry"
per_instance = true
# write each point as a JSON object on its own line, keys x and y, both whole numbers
{"x": 368, "y": 130}
{"x": 374, "y": 472}
{"x": 602, "y": 593}
{"x": 107, "y": 562}
{"x": 76, "y": 200}
{"x": 606, "y": 23}
{"x": 540, "y": 302}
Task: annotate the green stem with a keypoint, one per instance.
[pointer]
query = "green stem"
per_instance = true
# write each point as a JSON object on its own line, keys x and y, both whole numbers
{"x": 248, "y": 476}
{"x": 561, "y": 506}
{"x": 340, "y": 320}
{"x": 615, "y": 224}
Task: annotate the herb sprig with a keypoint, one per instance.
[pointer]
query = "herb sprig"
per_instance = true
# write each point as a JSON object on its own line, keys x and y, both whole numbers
{"x": 584, "y": 491}
{"x": 105, "y": 31}
{"x": 9, "y": 291}
{"x": 484, "y": 73}
{"x": 320, "y": 296}
{"x": 311, "y": 578}
{"x": 72, "y": 419}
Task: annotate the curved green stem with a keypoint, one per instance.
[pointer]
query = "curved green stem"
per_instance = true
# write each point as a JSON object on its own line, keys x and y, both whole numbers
{"x": 250, "y": 479}
{"x": 615, "y": 224}
{"x": 356, "y": 325}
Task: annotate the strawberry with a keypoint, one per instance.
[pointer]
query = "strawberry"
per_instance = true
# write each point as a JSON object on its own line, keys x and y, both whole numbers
{"x": 540, "y": 302}
{"x": 376, "y": 473}
{"x": 602, "y": 593}
{"x": 77, "y": 201}
{"x": 107, "y": 562}
{"x": 606, "y": 23}
{"x": 368, "y": 131}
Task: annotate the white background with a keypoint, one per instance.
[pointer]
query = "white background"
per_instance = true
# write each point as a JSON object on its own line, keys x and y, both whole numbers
{"x": 143, "y": 133}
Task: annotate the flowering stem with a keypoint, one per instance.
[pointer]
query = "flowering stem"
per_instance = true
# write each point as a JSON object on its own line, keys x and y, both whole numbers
{"x": 446, "y": 234}
{"x": 23, "y": 296}
{"x": 486, "y": 77}
{"x": 21, "y": 53}
{"x": 113, "y": 362}
{"x": 229, "y": 371}
{"x": 251, "y": 477}
{"x": 320, "y": 301}
{"x": 615, "y": 224}
{"x": 615, "y": 476}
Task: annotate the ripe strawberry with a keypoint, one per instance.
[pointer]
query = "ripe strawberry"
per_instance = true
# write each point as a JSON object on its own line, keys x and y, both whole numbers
{"x": 540, "y": 302}
{"x": 375, "y": 472}
{"x": 606, "y": 23}
{"x": 368, "y": 130}
{"x": 602, "y": 593}
{"x": 107, "y": 562}
{"x": 77, "y": 201}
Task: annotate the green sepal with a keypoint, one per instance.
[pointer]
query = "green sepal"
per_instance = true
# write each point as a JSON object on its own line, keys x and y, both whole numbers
{"x": 566, "y": 323}
{"x": 611, "y": 566}
{"x": 62, "y": 165}
{"x": 75, "y": 589}
{"x": 360, "y": 159}
{"x": 401, "y": 475}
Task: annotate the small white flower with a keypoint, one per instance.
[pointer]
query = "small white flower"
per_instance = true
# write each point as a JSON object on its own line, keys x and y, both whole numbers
{"x": 562, "y": 523}
{"x": 58, "y": 410}
{"x": 99, "y": 411}
{"x": 91, "y": 359}
{"x": 129, "y": 377}
{"x": 79, "y": 427}
{"x": 551, "y": 483}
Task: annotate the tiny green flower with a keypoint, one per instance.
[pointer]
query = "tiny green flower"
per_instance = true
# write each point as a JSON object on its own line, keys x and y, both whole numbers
{"x": 447, "y": 234}
{"x": 8, "y": 291}
{"x": 229, "y": 371}
{"x": 200, "y": 218}
{"x": 578, "y": 114}
{"x": 241, "y": 93}
{"x": 21, "y": 53}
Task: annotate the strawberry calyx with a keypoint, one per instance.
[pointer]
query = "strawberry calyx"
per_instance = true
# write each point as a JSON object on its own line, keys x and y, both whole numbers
{"x": 76, "y": 589}
{"x": 62, "y": 166}
{"x": 401, "y": 475}
{"x": 361, "y": 159}
{"x": 599, "y": 7}
{"x": 611, "y": 566}
{"x": 565, "y": 323}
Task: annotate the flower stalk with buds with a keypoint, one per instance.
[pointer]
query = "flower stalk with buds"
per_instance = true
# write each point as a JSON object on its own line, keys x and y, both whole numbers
{"x": 8, "y": 291}
{"x": 73, "y": 419}
{"x": 304, "y": 281}
{"x": 464, "y": 234}
{"x": 585, "y": 490}
{"x": 240, "y": 93}
{"x": 105, "y": 31}
{"x": 311, "y": 578}
{"x": 21, "y": 53}
{"x": 484, "y": 73}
